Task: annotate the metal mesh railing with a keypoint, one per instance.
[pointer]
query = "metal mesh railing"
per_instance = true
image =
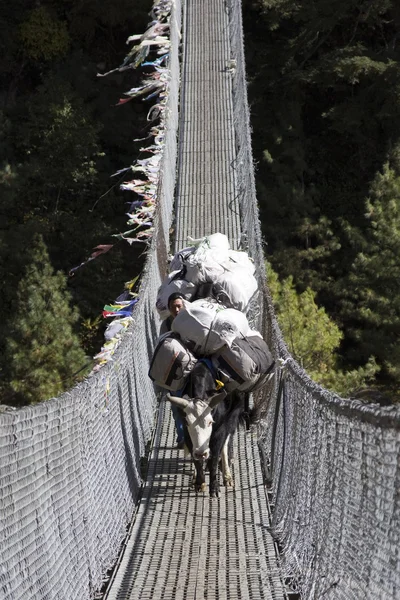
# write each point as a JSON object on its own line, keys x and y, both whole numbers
{"x": 333, "y": 463}
{"x": 70, "y": 467}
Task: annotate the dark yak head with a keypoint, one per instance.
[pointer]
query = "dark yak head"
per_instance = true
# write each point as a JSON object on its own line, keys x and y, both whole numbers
{"x": 199, "y": 399}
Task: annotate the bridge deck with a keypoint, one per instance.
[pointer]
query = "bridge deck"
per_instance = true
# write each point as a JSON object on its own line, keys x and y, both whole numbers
{"x": 187, "y": 547}
{"x": 182, "y": 546}
{"x": 206, "y": 200}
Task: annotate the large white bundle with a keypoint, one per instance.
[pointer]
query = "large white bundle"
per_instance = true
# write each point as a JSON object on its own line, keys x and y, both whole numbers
{"x": 214, "y": 248}
{"x": 227, "y": 325}
{"x": 178, "y": 260}
{"x": 204, "y": 262}
{"x": 215, "y": 241}
{"x": 203, "y": 270}
{"x": 171, "y": 284}
{"x": 235, "y": 288}
{"x": 195, "y": 321}
{"x": 208, "y": 326}
{"x": 210, "y": 260}
{"x": 241, "y": 259}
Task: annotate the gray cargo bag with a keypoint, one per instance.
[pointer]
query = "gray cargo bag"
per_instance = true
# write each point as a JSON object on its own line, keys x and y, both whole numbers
{"x": 245, "y": 365}
{"x": 171, "y": 362}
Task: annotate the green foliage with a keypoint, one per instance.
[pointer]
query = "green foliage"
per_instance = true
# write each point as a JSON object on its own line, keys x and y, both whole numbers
{"x": 325, "y": 97}
{"x": 60, "y": 140}
{"x": 42, "y": 36}
{"x": 42, "y": 349}
{"x": 370, "y": 299}
{"x": 313, "y": 338}
{"x": 325, "y": 85}
{"x": 92, "y": 334}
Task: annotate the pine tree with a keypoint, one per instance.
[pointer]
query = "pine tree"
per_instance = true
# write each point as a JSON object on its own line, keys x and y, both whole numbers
{"x": 42, "y": 36}
{"x": 325, "y": 89}
{"x": 43, "y": 351}
{"x": 371, "y": 293}
{"x": 313, "y": 338}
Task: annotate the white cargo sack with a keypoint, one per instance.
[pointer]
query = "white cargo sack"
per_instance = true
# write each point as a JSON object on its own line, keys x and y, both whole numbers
{"x": 242, "y": 259}
{"x": 171, "y": 284}
{"x": 211, "y": 261}
{"x": 203, "y": 264}
{"x": 194, "y": 322}
{"x": 244, "y": 363}
{"x": 178, "y": 260}
{"x": 236, "y": 288}
{"x": 215, "y": 241}
{"x": 207, "y": 326}
{"x": 171, "y": 363}
{"x": 228, "y": 325}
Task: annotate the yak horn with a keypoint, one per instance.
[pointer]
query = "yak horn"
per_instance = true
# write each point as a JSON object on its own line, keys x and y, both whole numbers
{"x": 182, "y": 402}
{"x": 217, "y": 399}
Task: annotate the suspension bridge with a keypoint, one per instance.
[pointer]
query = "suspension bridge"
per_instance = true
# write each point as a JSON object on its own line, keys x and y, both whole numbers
{"x": 95, "y": 498}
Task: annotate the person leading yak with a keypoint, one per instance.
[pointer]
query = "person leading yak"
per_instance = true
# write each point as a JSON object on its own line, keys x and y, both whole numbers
{"x": 175, "y": 305}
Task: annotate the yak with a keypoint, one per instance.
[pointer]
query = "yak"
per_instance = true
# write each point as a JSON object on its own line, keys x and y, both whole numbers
{"x": 210, "y": 417}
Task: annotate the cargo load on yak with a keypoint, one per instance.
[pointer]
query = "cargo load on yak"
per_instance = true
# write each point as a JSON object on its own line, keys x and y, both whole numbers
{"x": 245, "y": 365}
{"x": 228, "y": 275}
{"x": 216, "y": 285}
{"x": 239, "y": 355}
{"x": 207, "y": 326}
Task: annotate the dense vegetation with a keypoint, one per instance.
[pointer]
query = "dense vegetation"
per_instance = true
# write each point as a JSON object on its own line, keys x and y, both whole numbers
{"x": 325, "y": 101}
{"x": 61, "y": 139}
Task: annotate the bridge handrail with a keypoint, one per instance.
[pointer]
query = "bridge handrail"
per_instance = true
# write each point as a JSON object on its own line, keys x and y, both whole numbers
{"x": 70, "y": 467}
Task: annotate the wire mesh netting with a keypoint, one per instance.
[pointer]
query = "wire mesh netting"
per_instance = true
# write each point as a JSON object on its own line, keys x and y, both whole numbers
{"x": 70, "y": 467}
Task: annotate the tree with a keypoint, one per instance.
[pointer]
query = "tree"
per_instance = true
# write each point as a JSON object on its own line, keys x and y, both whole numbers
{"x": 44, "y": 37}
{"x": 313, "y": 338}
{"x": 370, "y": 297}
{"x": 61, "y": 138}
{"x": 42, "y": 349}
{"x": 325, "y": 89}
{"x": 59, "y": 145}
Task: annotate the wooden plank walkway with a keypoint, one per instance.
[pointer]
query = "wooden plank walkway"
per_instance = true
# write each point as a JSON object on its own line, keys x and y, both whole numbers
{"x": 182, "y": 546}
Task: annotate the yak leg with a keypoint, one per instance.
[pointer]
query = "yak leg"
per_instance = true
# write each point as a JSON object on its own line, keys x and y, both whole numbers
{"x": 199, "y": 479}
{"x": 214, "y": 483}
{"x": 226, "y": 471}
{"x": 216, "y": 445}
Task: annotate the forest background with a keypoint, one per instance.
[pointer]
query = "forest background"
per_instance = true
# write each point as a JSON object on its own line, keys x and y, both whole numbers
{"x": 324, "y": 90}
